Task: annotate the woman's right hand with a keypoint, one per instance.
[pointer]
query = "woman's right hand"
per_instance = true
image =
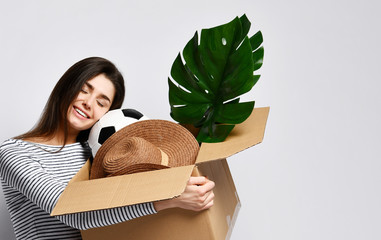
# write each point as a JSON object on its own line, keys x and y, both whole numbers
{"x": 197, "y": 196}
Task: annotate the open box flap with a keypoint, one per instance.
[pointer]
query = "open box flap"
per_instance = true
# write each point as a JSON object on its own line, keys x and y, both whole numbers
{"x": 243, "y": 136}
{"x": 83, "y": 195}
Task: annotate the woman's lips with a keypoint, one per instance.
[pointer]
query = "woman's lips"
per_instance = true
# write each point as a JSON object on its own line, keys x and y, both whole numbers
{"x": 81, "y": 113}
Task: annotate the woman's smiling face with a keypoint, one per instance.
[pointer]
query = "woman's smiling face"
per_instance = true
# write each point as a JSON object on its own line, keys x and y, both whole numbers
{"x": 92, "y": 102}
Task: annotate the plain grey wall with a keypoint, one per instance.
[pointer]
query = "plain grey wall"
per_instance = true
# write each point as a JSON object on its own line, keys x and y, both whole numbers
{"x": 317, "y": 173}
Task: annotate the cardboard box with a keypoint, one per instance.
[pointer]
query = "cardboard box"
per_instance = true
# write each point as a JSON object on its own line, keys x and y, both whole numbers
{"x": 83, "y": 194}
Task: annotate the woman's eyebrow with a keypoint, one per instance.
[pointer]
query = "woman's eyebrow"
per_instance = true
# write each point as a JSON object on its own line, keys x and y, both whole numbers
{"x": 102, "y": 95}
{"x": 89, "y": 85}
{"x": 105, "y": 98}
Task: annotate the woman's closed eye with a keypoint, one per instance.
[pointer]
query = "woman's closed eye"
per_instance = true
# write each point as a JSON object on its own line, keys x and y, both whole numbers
{"x": 102, "y": 102}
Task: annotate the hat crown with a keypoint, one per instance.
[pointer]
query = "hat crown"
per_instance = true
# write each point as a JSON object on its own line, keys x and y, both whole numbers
{"x": 127, "y": 152}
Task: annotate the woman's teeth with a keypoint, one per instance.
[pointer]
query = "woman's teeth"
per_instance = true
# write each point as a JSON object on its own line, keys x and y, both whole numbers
{"x": 81, "y": 113}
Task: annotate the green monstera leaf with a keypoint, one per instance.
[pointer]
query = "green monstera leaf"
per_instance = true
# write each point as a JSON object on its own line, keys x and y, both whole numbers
{"x": 210, "y": 75}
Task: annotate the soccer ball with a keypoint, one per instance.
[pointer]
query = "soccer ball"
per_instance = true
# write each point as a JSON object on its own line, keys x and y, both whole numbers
{"x": 111, "y": 122}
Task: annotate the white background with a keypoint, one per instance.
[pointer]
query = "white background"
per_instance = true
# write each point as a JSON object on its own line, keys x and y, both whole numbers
{"x": 317, "y": 173}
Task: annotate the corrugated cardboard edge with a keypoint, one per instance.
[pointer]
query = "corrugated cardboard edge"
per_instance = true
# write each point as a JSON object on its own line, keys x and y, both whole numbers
{"x": 82, "y": 196}
{"x": 82, "y": 174}
{"x": 233, "y": 220}
{"x": 243, "y": 136}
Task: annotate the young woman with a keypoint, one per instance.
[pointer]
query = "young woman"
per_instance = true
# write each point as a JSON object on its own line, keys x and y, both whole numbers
{"x": 35, "y": 167}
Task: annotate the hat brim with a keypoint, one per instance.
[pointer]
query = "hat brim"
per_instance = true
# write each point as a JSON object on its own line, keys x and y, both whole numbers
{"x": 173, "y": 139}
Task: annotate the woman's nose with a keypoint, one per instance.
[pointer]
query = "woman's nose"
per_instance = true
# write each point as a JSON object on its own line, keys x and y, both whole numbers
{"x": 87, "y": 103}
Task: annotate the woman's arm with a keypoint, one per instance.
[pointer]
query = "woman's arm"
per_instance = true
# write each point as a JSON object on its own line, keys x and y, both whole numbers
{"x": 198, "y": 196}
{"x": 27, "y": 176}
{"x": 19, "y": 171}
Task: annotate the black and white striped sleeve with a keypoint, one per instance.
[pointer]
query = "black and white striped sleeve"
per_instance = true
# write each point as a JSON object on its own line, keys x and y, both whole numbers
{"x": 19, "y": 171}
{"x": 86, "y": 220}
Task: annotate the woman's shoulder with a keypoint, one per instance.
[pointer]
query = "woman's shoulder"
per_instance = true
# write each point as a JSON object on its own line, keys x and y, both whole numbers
{"x": 26, "y": 147}
{"x": 13, "y": 146}
{"x": 9, "y": 143}
{"x": 10, "y": 147}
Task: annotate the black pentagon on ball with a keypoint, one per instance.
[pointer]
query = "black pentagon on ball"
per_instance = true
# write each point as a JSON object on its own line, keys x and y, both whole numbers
{"x": 132, "y": 113}
{"x": 105, "y": 133}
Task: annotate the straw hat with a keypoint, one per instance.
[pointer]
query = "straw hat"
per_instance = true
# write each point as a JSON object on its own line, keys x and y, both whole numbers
{"x": 143, "y": 146}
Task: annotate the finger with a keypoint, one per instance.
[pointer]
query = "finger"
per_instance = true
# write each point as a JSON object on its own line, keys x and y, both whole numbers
{"x": 197, "y": 180}
{"x": 209, "y": 201}
{"x": 201, "y": 190}
{"x": 209, "y": 197}
{"x": 209, "y": 205}
{"x": 205, "y": 203}
{"x": 208, "y": 186}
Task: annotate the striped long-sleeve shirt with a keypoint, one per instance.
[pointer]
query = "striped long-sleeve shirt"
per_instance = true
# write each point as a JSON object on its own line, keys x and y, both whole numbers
{"x": 34, "y": 176}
